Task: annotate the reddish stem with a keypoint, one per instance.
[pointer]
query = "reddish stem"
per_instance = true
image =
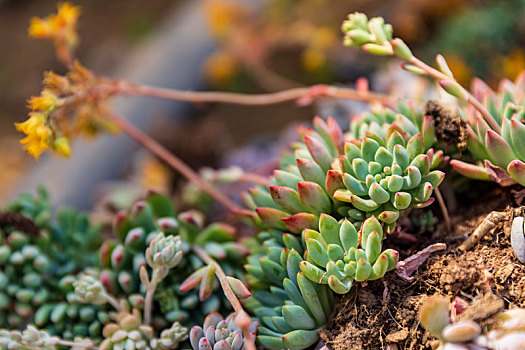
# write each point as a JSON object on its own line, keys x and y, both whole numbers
{"x": 173, "y": 161}
{"x": 470, "y": 99}
{"x": 228, "y": 292}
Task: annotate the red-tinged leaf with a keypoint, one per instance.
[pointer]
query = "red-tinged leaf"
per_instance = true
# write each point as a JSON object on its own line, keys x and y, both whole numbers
{"x": 498, "y": 149}
{"x": 479, "y": 88}
{"x": 298, "y": 222}
{"x": 313, "y": 197}
{"x": 516, "y": 169}
{"x": 517, "y": 134}
{"x": 272, "y": 217}
{"x": 337, "y": 134}
{"x": 393, "y": 127}
{"x": 334, "y": 182}
{"x": 206, "y": 287}
{"x": 498, "y": 175}
{"x": 286, "y": 199}
{"x": 319, "y": 152}
{"x": 470, "y": 170}
{"x": 475, "y": 145}
{"x": 105, "y": 253}
{"x": 429, "y": 131}
{"x": 239, "y": 288}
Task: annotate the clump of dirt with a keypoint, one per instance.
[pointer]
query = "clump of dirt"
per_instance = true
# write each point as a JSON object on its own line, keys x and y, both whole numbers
{"x": 450, "y": 128}
{"x": 488, "y": 277}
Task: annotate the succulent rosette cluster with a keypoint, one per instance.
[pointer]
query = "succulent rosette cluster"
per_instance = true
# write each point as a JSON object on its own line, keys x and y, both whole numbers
{"x": 152, "y": 234}
{"x": 337, "y": 255}
{"x": 218, "y": 333}
{"x": 39, "y": 257}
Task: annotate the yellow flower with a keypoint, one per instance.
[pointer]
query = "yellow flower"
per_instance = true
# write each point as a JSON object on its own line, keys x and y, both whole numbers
{"x": 220, "y": 67}
{"x": 43, "y": 102}
{"x": 39, "y": 28}
{"x": 60, "y": 27}
{"x": 38, "y": 134}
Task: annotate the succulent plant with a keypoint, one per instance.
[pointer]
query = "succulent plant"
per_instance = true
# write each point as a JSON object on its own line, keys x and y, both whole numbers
{"x": 218, "y": 333}
{"x": 30, "y": 338}
{"x": 127, "y": 332}
{"x": 495, "y": 120}
{"x": 354, "y": 178}
{"x": 507, "y": 333}
{"x": 337, "y": 255}
{"x": 290, "y": 308}
{"x": 122, "y": 258}
{"x": 38, "y": 260}
{"x": 501, "y": 152}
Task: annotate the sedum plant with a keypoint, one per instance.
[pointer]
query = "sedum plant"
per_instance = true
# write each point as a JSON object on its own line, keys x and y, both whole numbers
{"x": 39, "y": 257}
{"x": 218, "y": 333}
{"x": 337, "y": 255}
{"x": 346, "y": 177}
{"x": 290, "y": 308}
{"x": 495, "y": 120}
{"x": 122, "y": 259}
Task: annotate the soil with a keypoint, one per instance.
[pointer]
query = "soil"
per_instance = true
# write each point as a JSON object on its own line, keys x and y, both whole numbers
{"x": 488, "y": 277}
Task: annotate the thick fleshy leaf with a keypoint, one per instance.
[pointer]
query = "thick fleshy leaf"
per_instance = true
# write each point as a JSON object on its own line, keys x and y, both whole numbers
{"x": 329, "y": 229}
{"x": 348, "y": 235}
{"x": 339, "y": 287}
{"x": 297, "y": 317}
{"x": 312, "y": 272}
{"x": 373, "y": 247}
{"x": 272, "y": 217}
{"x": 193, "y": 280}
{"x": 470, "y": 170}
{"x": 499, "y": 149}
{"x": 298, "y": 222}
{"x": 334, "y": 182}
{"x": 412, "y": 179}
{"x": 429, "y": 131}
{"x": 311, "y": 298}
{"x": 319, "y": 152}
{"x": 311, "y": 171}
{"x": 272, "y": 270}
{"x": 313, "y": 197}
{"x": 206, "y": 287}
{"x": 378, "y": 194}
{"x": 383, "y": 157}
{"x": 238, "y": 287}
{"x": 517, "y": 133}
{"x": 285, "y": 178}
{"x": 261, "y": 197}
{"x": 402, "y": 200}
{"x": 369, "y": 148}
{"x": 317, "y": 252}
{"x": 354, "y": 185}
{"x": 271, "y": 342}
{"x": 286, "y": 199}
{"x": 300, "y": 339}
{"x": 363, "y": 270}
{"x": 516, "y": 169}
{"x": 401, "y": 156}
{"x": 380, "y": 267}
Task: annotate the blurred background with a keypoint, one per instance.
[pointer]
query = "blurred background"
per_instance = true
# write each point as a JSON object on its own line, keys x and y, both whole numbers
{"x": 249, "y": 46}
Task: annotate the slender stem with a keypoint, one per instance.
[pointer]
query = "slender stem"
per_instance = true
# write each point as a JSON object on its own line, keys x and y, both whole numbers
{"x": 444, "y": 209}
{"x": 127, "y": 88}
{"x": 150, "y": 292}
{"x": 470, "y": 99}
{"x": 228, "y": 292}
{"x": 113, "y": 301}
{"x": 173, "y": 161}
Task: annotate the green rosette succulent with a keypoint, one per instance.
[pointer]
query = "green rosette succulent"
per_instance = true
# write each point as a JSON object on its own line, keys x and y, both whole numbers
{"x": 338, "y": 255}
{"x": 290, "y": 308}
{"x": 39, "y": 257}
{"x": 121, "y": 259}
{"x": 386, "y": 171}
{"x": 218, "y": 333}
